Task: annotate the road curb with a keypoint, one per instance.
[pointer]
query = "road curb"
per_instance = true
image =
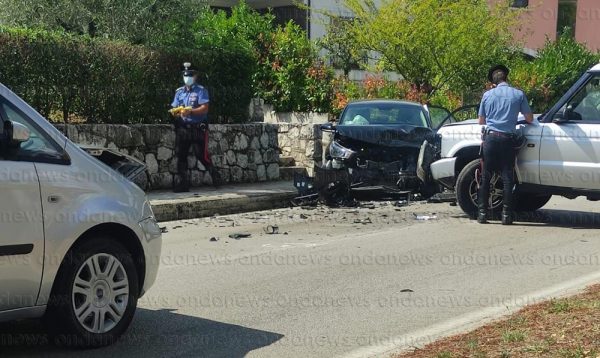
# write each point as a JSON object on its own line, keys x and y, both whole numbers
{"x": 471, "y": 321}
{"x": 198, "y": 207}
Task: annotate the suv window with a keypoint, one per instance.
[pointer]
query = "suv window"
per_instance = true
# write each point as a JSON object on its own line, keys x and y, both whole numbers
{"x": 586, "y": 102}
{"x": 39, "y": 148}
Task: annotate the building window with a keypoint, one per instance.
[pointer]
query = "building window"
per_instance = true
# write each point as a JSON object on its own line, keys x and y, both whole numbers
{"x": 520, "y": 3}
{"x": 567, "y": 17}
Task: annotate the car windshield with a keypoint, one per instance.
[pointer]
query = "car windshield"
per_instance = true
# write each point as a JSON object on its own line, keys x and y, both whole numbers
{"x": 364, "y": 114}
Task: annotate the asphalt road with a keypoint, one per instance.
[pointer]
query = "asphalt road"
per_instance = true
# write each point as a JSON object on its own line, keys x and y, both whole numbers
{"x": 342, "y": 282}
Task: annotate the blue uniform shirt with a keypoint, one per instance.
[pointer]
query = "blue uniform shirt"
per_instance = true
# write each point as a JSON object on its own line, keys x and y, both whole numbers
{"x": 193, "y": 97}
{"x": 501, "y": 106}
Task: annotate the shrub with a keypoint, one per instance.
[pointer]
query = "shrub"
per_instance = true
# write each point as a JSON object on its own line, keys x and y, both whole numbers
{"x": 116, "y": 82}
{"x": 548, "y": 77}
{"x": 290, "y": 76}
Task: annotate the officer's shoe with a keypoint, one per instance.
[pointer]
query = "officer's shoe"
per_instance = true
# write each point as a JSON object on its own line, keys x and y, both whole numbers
{"x": 507, "y": 217}
{"x": 215, "y": 176}
{"x": 482, "y": 216}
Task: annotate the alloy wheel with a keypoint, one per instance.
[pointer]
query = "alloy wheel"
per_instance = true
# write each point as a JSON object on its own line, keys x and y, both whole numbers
{"x": 496, "y": 192}
{"x": 100, "y": 293}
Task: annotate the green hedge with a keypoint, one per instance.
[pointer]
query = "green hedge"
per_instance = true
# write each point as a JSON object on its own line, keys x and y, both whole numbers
{"x": 78, "y": 78}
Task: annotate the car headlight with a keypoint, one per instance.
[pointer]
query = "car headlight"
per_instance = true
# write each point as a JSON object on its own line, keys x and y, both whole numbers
{"x": 339, "y": 152}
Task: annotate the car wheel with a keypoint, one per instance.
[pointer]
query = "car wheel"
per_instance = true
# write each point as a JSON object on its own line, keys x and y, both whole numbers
{"x": 531, "y": 202}
{"x": 95, "y": 295}
{"x": 467, "y": 190}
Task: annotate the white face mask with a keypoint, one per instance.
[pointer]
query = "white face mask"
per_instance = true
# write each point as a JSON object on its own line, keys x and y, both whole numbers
{"x": 188, "y": 80}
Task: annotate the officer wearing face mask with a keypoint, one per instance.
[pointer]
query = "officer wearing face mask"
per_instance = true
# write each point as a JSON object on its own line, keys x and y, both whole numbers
{"x": 191, "y": 128}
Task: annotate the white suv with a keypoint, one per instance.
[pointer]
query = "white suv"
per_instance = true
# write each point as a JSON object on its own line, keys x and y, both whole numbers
{"x": 561, "y": 155}
{"x": 79, "y": 243}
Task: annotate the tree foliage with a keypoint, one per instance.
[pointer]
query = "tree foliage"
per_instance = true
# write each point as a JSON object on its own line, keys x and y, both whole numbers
{"x": 340, "y": 45}
{"x": 137, "y": 21}
{"x": 435, "y": 43}
{"x": 558, "y": 65}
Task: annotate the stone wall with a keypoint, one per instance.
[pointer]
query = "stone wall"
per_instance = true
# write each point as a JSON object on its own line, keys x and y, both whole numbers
{"x": 243, "y": 153}
{"x": 303, "y": 142}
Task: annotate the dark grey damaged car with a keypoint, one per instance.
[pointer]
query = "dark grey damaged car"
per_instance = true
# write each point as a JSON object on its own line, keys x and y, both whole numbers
{"x": 376, "y": 144}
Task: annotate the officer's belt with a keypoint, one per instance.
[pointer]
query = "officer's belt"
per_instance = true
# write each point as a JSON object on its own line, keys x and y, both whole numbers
{"x": 200, "y": 125}
{"x": 499, "y": 134}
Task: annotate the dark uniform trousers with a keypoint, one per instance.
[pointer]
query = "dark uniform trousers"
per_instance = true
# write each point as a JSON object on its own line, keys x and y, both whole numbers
{"x": 194, "y": 136}
{"x": 498, "y": 156}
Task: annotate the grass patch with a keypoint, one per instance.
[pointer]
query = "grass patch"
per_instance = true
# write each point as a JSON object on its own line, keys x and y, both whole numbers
{"x": 562, "y": 328}
{"x": 560, "y": 306}
{"x": 444, "y": 355}
{"x": 513, "y": 336}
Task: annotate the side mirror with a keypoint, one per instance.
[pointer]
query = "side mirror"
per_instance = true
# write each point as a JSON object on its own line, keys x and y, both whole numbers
{"x": 566, "y": 115}
{"x": 328, "y": 127}
{"x": 18, "y": 132}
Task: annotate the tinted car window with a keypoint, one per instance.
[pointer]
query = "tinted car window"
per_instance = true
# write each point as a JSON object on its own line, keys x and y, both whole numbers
{"x": 39, "y": 147}
{"x": 384, "y": 114}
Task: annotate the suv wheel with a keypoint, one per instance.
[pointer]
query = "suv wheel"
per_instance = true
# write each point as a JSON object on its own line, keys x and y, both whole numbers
{"x": 95, "y": 294}
{"x": 466, "y": 194}
{"x": 466, "y": 190}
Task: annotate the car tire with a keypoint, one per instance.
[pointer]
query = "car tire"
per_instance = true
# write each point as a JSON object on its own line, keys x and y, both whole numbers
{"x": 463, "y": 188}
{"x": 531, "y": 202}
{"x": 94, "y": 296}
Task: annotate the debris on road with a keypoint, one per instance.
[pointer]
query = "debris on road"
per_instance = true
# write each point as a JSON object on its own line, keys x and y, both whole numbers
{"x": 213, "y": 239}
{"x": 363, "y": 221}
{"x": 240, "y": 235}
{"x": 163, "y": 229}
{"x": 406, "y": 290}
{"x": 272, "y": 229}
{"x": 425, "y": 217}
{"x": 367, "y": 205}
{"x": 401, "y": 203}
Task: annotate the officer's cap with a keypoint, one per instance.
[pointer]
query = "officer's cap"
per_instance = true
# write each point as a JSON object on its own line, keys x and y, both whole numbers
{"x": 497, "y": 68}
{"x": 188, "y": 70}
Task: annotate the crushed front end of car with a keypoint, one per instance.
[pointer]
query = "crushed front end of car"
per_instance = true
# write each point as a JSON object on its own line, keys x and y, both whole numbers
{"x": 368, "y": 162}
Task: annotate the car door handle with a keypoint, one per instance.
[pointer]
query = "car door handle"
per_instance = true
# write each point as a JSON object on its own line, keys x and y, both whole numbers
{"x": 53, "y": 199}
{"x": 530, "y": 145}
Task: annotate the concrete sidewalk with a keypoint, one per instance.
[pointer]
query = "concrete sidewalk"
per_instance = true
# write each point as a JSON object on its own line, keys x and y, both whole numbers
{"x": 228, "y": 199}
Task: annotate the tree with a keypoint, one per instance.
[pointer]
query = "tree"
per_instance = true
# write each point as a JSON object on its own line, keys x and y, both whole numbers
{"x": 340, "y": 44}
{"x": 137, "y": 21}
{"x": 435, "y": 43}
{"x": 558, "y": 65}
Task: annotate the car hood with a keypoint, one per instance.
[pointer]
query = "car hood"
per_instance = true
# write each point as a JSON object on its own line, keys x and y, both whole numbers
{"x": 384, "y": 135}
{"x": 128, "y": 166}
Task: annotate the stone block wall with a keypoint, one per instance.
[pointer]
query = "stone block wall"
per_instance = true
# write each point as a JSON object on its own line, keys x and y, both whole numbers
{"x": 243, "y": 153}
{"x": 303, "y": 142}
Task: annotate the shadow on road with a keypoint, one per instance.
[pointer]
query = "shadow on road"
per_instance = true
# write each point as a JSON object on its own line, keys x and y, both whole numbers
{"x": 560, "y": 218}
{"x": 152, "y": 334}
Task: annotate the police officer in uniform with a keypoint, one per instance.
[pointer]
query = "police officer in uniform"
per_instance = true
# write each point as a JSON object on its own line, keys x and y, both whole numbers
{"x": 499, "y": 111}
{"x": 191, "y": 128}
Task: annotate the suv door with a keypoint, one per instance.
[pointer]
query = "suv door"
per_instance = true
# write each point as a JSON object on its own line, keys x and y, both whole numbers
{"x": 440, "y": 116}
{"x": 21, "y": 217}
{"x": 570, "y": 150}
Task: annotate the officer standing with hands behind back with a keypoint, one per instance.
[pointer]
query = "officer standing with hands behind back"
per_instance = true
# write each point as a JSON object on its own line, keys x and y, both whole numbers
{"x": 190, "y": 108}
{"x": 499, "y": 112}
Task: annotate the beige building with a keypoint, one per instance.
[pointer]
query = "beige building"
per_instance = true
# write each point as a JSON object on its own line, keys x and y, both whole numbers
{"x": 546, "y": 19}
{"x": 543, "y": 19}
